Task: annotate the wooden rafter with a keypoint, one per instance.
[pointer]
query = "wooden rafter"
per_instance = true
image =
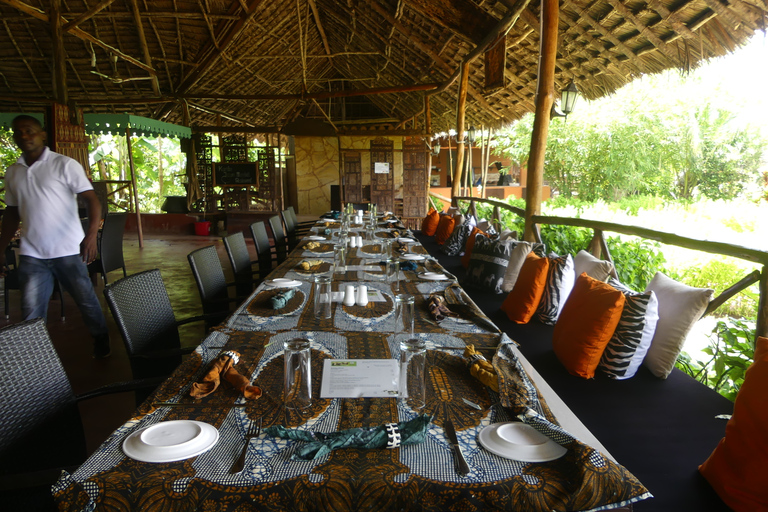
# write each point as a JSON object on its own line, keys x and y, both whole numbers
{"x": 460, "y": 16}
{"x": 86, "y": 15}
{"x": 40, "y": 15}
{"x": 143, "y": 42}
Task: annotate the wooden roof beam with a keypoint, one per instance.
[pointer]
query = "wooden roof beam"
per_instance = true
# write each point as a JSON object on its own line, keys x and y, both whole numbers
{"x": 40, "y": 15}
{"x": 460, "y": 16}
{"x": 86, "y": 15}
{"x": 143, "y": 42}
{"x": 644, "y": 30}
{"x": 673, "y": 19}
{"x": 316, "y": 95}
{"x": 319, "y": 24}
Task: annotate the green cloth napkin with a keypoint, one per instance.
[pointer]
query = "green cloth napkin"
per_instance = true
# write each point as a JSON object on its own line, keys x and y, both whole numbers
{"x": 280, "y": 300}
{"x": 383, "y": 436}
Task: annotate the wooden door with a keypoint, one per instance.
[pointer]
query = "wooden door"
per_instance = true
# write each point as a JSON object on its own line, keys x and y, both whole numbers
{"x": 415, "y": 178}
{"x": 383, "y": 174}
{"x": 353, "y": 177}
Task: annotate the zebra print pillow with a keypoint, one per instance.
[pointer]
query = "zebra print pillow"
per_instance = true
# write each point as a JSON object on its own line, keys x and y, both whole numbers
{"x": 488, "y": 264}
{"x": 455, "y": 243}
{"x": 629, "y": 344}
{"x": 559, "y": 285}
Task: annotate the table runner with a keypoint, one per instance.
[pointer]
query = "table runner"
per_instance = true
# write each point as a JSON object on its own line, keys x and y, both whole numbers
{"x": 419, "y": 477}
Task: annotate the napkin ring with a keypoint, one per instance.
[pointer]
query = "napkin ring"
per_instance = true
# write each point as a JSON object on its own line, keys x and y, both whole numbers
{"x": 393, "y": 435}
{"x": 475, "y": 358}
{"x": 235, "y": 357}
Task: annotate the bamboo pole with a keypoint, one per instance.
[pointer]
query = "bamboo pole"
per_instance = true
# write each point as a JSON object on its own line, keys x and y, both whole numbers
{"x": 143, "y": 44}
{"x": 59, "y": 56}
{"x": 135, "y": 188}
{"x": 545, "y": 96}
{"x": 460, "y": 109}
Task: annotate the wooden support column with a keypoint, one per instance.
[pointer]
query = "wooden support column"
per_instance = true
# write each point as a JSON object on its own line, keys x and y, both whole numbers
{"x": 545, "y": 96}
{"x": 458, "y": 171}
{"x": 135, "y": 188}
{"x": 143, "y": 43}
{"x": 59, "y": 56}
{"x": 762, "y": 305}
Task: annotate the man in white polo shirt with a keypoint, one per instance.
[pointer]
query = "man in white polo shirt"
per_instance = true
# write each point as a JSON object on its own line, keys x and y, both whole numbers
{"x": 41, "y": 191}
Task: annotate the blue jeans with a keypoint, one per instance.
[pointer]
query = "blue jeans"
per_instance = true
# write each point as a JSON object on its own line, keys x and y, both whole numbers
{"x": 36, "y": 280}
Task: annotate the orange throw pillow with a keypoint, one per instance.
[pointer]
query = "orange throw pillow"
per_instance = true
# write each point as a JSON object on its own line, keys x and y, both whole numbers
{"x": 738, "y": 467}
{"x": 429, "y": 224}
{"x": 469, "y": 245}
{"x": 586, "y": 324}
{"x": 522, "y": 301}
{"x": 444, "y": 229}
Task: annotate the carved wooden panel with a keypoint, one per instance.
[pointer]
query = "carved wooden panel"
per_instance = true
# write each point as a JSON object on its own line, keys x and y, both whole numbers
{"x": 383, "y": 175}
{"x": 415, "y": 178}
{"x": 266, "y": 196}
{"x": 495, "y": 64}
{"x": 67, "y": 132}
{"x": 353, "y": 177}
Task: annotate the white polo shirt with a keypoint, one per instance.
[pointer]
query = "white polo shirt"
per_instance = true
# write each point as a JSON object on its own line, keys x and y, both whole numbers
{"x": 46, "y": 195}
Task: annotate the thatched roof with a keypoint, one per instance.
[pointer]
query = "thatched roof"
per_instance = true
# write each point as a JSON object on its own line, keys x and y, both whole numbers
{"x": 265, "y": 64}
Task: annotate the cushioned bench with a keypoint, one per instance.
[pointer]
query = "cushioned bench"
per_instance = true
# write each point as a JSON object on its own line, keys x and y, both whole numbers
{"x": 660, "y": 430}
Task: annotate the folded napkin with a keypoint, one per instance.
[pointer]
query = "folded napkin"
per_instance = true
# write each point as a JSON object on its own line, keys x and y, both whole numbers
{"x": 389, "y": 435}
{"x": 223, "y": 366}
{"x": 310, "y": 264}
{"x": 311, "y": 245}
{"x": 438, "y": 308}
{"x": 280, "y": 300}
{"x": 327, "y": 231}
{"x": 480, "y": 368}
{"x": 408, "y": 265}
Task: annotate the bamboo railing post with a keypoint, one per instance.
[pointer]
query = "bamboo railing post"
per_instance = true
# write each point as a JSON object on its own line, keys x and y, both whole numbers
{"x": 595, "y": 245}
{"x": 545, "y": 97}
{"x": 496, "y": 221}
{"x": 761, "y": 329}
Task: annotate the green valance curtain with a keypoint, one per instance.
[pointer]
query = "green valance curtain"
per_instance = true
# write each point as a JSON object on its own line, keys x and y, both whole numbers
{"x": 117, "y": 124}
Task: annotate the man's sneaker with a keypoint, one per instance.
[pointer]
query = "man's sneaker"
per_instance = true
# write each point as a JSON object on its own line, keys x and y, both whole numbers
{"x": 101, "y": 348}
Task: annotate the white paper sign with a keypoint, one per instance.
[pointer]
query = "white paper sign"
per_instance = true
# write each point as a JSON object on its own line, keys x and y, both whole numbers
{"x": 381, "y": 168}
{"x": 360, "y": 378}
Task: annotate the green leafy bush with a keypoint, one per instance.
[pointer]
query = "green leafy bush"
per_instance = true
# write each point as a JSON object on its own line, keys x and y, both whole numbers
{"x": 730, "y": 353}
{"x": 720, "y": 275}
{"x": 565, "y": 239}
{"x": 637, "y": 260}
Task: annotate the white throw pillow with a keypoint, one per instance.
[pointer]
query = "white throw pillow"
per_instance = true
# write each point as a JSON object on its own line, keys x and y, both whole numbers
{"x": 516, "y": 260}
{"x": 680, "y": 306}
{"x": 595, "y": 268}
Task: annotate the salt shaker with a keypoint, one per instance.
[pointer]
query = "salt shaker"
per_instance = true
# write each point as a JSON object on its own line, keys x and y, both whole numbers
{"x": 349, "y": 295}
{"x": 362, "y": 295}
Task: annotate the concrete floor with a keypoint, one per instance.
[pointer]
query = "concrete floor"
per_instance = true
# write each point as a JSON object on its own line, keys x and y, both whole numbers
{"x": 74, "y": 344}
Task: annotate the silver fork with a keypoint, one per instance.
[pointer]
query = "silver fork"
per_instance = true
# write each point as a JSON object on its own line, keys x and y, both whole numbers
{"x": 239, "y": 464}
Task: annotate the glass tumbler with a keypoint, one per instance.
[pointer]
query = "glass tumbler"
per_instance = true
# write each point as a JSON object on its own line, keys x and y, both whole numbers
{"x": 404, "y": 313}
{"x": 392, "y": 271}
{"x": 413, "y": 366}
{"x": 323, "y": 297}
{"x": 339, "y": 256}
{"x": 298, "y": 374}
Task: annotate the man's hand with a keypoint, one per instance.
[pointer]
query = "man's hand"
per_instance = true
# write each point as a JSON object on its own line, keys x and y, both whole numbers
{"x": 88, "y": 249}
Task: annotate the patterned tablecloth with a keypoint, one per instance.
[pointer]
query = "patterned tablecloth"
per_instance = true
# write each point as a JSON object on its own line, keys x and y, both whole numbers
{"x": 415, "y": 477}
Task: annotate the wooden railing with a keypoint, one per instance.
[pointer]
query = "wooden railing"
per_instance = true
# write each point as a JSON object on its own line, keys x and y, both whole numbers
{"x": 599, "y": 248}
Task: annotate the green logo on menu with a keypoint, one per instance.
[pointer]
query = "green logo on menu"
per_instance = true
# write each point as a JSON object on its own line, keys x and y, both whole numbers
{"x": 343, "y": 363}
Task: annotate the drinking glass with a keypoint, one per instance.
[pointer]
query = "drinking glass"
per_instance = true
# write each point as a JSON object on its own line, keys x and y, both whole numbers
{"x": 323, "y": 297}
{"x": 298, "y": 374}
{"x": 413, "y": 365}
{"x": 404, "y": 312}
{"x": 339, "y": 256}
{"x": 392, "y": 272}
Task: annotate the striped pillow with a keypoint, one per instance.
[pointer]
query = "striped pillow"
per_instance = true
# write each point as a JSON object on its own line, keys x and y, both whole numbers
{"x": 455, "y": 243}
{"x": 629, "y": 344}
{"x": 559, "y": 285}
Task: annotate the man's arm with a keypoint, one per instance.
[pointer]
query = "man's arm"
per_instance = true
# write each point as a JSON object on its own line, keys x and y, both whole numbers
{"x": 88, "y": 248}
{"x": 8, "y": 228}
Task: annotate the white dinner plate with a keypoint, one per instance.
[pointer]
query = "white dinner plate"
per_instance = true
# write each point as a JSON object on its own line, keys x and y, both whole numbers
{"x": 413, "y": 257}
{"x": 316, "y": 238}
{"x": 404, "y": 240}
{"x": 169, "y": 441}
{"x": 282, "y": 282}
{"x": 518, "y": 441}
{"x": 434, "y": 276}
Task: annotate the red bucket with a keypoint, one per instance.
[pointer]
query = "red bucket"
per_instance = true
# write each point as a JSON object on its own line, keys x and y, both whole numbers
{"x": 203, "y": 228}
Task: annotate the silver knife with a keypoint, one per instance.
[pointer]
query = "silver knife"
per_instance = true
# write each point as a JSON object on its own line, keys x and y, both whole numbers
{"x": 462, "y": 468}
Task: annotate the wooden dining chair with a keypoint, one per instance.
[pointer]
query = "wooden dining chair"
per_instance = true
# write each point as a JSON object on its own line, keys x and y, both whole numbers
{"x": 143, "y": 313}
{"x": 246, "y": 278}
{"x": 266, "y": 257}
{"x": 291, "y": 230}
{"x": 41, "y": 431}
{"x": 110, "y": 244}
{"x": 212, "y": 284}
{"x": 278, "y": 235}
{"x": 302, "y": 228}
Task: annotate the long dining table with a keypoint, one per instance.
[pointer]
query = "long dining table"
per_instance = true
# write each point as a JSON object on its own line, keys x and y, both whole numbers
{"x": 419, "y": 476}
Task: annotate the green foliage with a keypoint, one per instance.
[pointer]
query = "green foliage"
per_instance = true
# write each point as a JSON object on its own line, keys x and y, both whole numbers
{"x": 565, "y": 239}
{"x": 636, "y": 260}
{"x": 729, "y": 354}
{"x": 719, "y": 275}
{"x": 635, "y": 203}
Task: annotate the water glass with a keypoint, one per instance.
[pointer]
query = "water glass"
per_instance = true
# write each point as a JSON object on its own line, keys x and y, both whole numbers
{"x": 404, "y": 314}
{"x": 392, "y": 272}
{"x": 413, "y": 365}
{"x": 386, "y": 248}
{"x": 339, "y": 256}
{"x": 323, "y": 297}
{"x": 298, "y": 374}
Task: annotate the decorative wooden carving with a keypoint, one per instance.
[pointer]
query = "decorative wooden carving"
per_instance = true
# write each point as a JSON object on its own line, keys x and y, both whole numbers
{"x": 353, "y": 177}
{"x": 415, "y": 178}
{"x": 68, "y": 137}
{"x": 383, "y": 175}
{"x": 495, "y": 63}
